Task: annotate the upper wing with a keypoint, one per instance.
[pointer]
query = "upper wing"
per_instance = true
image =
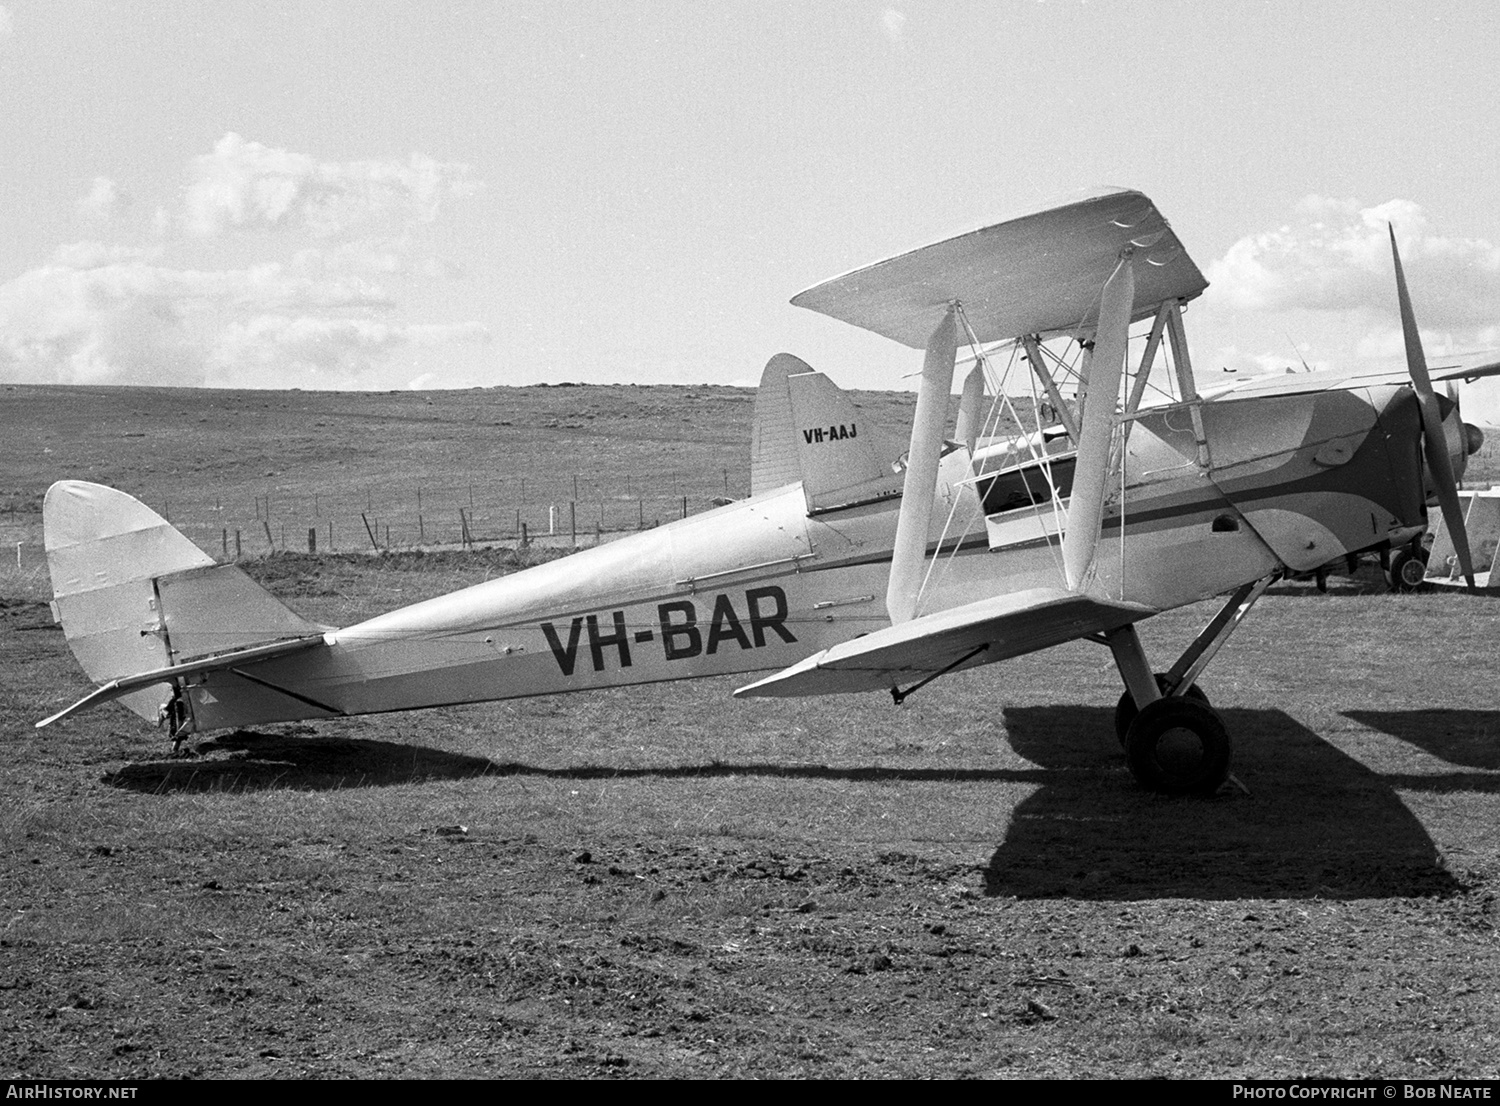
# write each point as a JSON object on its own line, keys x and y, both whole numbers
{"x": 962, "y": 637}
{"x": 1328, "y": 380}
{"x": 1036, "y": 274}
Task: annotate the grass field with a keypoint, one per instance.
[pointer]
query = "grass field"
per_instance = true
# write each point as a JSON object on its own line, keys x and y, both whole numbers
{"x": 665, "y": 881}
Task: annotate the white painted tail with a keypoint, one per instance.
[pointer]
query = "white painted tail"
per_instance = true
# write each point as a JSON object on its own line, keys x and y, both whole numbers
{"x": 807, "y": 429}
{"x": 136, "y": 596}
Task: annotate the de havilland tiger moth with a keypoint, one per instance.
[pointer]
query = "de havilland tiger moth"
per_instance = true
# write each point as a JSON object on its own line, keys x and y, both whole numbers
{"x": 853, "y": 566}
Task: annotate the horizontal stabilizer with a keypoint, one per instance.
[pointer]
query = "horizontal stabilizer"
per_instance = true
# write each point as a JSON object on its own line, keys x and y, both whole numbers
{"x": 1036, "y": 274}
{"x": 978, "y": 633}
{"x": 123, "y": 686}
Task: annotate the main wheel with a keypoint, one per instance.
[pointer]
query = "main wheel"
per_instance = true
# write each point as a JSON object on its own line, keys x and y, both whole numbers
{"x": 1125, "y": 709}
{"x": 1178, "y": 747}
{"x": 1408, "y": 570}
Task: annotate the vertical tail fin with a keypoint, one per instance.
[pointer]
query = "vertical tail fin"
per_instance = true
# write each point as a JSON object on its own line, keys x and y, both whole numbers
{"x": 807, "y": 429}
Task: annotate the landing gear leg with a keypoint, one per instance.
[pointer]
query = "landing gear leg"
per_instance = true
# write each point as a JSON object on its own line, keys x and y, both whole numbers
{"x": 1174, "y": 741}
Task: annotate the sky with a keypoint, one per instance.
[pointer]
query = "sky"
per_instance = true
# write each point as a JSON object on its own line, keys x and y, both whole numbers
{"x": 383, "y": 194}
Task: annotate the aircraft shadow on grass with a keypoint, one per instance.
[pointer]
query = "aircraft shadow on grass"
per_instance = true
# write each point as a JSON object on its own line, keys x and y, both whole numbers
{"x": 268, "y": 761}
{"x": 1470, "y": 738}
{"x": 1317, "y": 823}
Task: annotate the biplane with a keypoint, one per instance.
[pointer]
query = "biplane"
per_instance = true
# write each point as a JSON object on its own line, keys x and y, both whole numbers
{"x": 857, "y": 565}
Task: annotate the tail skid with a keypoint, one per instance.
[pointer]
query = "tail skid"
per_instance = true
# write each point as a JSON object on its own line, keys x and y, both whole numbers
{"x": 143, "y": 608}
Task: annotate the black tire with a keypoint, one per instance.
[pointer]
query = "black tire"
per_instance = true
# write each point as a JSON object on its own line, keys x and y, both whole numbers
{"x": 1408, "y": 570}
{"x": 1179, "y": 747}
{"x": 1125, "y": 709}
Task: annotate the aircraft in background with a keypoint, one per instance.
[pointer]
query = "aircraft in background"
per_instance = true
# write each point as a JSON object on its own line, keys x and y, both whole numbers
{"x": 855, "y": 566}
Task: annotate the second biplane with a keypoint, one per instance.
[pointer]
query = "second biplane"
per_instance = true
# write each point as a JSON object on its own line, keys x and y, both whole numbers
{"x": 853, "y": 567}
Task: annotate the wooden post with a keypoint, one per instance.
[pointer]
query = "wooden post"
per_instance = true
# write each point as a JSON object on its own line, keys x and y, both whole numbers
{"x": 684, "y": 506}
{"x": 312, "y": 539}
{"x": 573, "y": 522}
{"x": 237, "y": 553}
{"x": 269, "y": 540}
{"x": 225, "y": 537}
{"x": 369, "y": 531}
{"x": 421, "y": 529}
{"x": 640, "y": 515}
{"x": 330, "y": 535}
{"x": 525, "y": 537}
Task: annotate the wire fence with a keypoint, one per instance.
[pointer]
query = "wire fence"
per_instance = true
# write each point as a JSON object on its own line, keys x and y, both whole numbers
{"x": 576, "y": 510}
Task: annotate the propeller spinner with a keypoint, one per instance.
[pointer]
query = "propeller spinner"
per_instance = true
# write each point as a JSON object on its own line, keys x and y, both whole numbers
{"x": 1439, "y": 463}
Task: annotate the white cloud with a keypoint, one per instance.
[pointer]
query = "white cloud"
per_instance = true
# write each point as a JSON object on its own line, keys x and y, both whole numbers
{"x": 103, "y": 201}
{"x": 246, "y": 185}
{"x": 315, "y": 316}
{"x": 278, "y": 351}
{"x": 1322, "y": 287}
{"x": 893, "y": 23}
{"x": 102, "y": 314}
{"x": 94, "y": 255}
{"x": 1336, "y": 256}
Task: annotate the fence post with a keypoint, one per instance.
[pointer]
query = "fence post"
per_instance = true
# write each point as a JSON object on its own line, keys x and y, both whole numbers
{"x": 369, "y": 531}
{"x": 312, "y": 539}
{"x": 237, "y": 551}
{"x": 269, "y": 540}
{"x": 573, "y": 522}
{"x": 225, "y": 537}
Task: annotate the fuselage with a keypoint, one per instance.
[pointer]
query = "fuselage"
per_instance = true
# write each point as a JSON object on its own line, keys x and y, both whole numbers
{"x": 1283, "y": 482}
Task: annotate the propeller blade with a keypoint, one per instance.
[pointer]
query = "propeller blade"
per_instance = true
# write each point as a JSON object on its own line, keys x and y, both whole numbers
{"x": 1438, "y": 459}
